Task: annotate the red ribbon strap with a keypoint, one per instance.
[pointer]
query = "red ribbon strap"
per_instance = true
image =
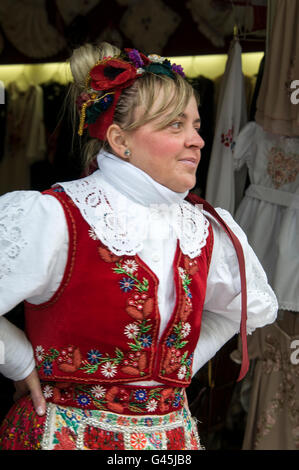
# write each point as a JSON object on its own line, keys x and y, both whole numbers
{"x": 240, "y": 255}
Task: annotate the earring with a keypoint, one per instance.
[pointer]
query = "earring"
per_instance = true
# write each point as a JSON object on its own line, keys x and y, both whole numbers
{"x": 127, "y": 152}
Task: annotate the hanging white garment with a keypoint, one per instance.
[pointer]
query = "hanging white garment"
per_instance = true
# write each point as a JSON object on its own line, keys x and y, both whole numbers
{"x": 224, "y": 187}
{"x": 269, "y": 212}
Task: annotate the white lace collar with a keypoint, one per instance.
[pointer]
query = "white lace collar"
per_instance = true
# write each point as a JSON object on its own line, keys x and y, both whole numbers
{"x": 114, "y": 211}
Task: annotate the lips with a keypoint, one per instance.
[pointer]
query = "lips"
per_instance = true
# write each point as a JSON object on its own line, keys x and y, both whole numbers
{"x": 189, "y": 161}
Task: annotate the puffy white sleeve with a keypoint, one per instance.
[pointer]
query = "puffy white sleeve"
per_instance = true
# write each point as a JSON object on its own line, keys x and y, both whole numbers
{"x": 33, "y": 250}
{"x": 222, "y": 308}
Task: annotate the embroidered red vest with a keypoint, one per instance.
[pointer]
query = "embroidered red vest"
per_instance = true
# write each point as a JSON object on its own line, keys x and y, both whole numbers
{"x": 102, "y": 324}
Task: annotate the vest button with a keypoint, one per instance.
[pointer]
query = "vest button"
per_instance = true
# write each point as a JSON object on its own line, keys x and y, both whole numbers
{"x": 156, "y": 257}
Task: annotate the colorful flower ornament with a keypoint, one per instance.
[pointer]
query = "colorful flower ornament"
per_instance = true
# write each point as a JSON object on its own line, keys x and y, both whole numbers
{"x": 105, "y": 82}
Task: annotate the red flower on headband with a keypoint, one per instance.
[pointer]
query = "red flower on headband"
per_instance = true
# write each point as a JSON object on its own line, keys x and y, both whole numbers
{"x": 112, "y": 74}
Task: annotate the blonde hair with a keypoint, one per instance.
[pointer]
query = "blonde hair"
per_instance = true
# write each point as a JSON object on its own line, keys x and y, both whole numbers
{"x": 174, "y": 94}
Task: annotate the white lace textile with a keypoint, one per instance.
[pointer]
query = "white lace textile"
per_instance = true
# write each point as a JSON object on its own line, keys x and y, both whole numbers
{"x": 123, "y": 225}
{"x": 11, "y": 239}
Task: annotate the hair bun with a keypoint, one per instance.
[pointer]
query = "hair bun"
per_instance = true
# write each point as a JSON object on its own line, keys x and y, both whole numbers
{"x": 84, "y": 58}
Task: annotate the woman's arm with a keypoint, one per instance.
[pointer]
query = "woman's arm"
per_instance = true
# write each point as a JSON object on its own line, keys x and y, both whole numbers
{"x": 222, "y": 309}
{"x": 18, "y": 364}
{"x": 33, "y": 250}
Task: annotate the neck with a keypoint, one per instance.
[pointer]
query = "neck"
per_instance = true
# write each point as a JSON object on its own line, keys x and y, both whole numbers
{"x": 134, "y": 183}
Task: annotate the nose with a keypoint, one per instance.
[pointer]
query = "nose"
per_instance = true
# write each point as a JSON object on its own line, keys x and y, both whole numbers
{"x": 194, "y": 139}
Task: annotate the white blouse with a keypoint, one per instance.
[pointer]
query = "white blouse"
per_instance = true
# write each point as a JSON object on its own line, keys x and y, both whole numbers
{"x": 33, "y": 253}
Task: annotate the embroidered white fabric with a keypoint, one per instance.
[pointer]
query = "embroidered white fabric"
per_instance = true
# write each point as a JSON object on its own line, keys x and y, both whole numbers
{"x": 11, "y": 237}
{"x": 123, "y": 225}
{"x": 258, "y": 286}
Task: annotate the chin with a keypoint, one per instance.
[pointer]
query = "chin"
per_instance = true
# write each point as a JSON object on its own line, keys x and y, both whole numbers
{"x": 181, "y": 188}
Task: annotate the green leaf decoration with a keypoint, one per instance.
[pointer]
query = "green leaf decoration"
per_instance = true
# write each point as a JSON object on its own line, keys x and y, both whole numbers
{"x": 177, "y": 328}
{"x": 89, "y": 368}
{"x": 119, "y": 353}
{"x": 184, "y": 356}
{"x": 182, "y": 344}
{"x": 145, "y": 329}
{"x": 136, "y": 408}
{"x": 160, "y": 69}
{"x": 135, "y": 347}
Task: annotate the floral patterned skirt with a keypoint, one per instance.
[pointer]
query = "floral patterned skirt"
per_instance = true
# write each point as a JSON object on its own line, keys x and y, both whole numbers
{"x": 70, "y": 428}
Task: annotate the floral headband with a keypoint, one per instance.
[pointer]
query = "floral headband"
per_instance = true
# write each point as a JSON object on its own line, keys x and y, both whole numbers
{"x": 111, "y": 75}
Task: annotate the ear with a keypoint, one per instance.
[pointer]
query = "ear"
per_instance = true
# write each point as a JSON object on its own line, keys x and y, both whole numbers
{"x": 117, "y": 140}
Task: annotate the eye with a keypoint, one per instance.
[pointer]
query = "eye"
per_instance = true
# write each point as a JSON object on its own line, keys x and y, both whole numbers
{"x": 197, "y": 130}
{"x": 176, "y": 124}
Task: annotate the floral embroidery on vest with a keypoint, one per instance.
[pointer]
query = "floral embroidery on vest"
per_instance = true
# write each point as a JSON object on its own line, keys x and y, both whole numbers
{"x": 68, "y": 359}
{"x": 176, "y": 341}
{"x": 115, "y": 398}
{"x": 139, "y": 307}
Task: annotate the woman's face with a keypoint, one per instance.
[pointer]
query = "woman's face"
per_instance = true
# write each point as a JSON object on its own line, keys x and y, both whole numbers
{"x": 169, "y": 155}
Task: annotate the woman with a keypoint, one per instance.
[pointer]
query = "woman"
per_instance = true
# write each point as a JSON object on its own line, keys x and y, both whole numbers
{"x": 121, "y": 273}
